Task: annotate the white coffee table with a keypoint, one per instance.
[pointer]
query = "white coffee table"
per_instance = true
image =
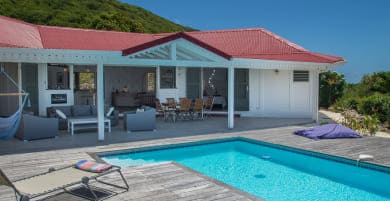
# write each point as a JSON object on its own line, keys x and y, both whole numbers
{"x": 86, "y": 123}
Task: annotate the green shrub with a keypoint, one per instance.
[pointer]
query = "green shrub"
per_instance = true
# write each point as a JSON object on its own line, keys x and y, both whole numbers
{"x": 344, "y": 104}
{"x": 378, "y": 105}
{"x": 365, "y": 125}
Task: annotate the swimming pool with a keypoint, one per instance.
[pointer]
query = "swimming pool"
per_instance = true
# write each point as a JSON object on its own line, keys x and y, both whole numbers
{"x": 271, "y": 172}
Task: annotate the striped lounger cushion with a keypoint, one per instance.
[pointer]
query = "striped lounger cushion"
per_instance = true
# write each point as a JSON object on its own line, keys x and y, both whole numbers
{"x": 92, "y": 166}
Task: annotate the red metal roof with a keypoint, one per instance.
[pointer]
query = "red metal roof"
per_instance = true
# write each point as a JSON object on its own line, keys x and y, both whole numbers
{"x": 239, "y": 43}
{"x": 16, "y": 33}
{"x": 259, "y": 44}
{"x": 87, "y": 39}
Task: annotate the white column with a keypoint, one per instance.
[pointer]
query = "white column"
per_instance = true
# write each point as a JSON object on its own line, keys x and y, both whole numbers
{"x": 43, "y": 95}
{"x": 71, "y": 77}
{"x": 158, "y": 82}
{"x": 231, "y": 97}
{"x": 201, "y": 83}
{"x": 315, "y": 96}
{"x": 100, "y": 100}
{"x": 20, "y": 83}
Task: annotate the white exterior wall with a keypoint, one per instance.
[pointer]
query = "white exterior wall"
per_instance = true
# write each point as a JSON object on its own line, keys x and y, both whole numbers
{"x": 179, "y": 91}
{"x": 45, "y": 95}
{"x": 274, "y": 94}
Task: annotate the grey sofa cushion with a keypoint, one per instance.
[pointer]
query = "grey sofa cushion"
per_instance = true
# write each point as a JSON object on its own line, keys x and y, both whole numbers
{"x": 94, "y": 110}
{"x": 81, "y": 110}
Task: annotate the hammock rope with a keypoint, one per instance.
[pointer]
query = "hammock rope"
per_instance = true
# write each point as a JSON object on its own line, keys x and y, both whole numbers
{"x": 10, "y": 125}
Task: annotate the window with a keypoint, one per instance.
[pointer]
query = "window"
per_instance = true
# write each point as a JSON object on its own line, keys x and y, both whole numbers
{"x": 57, "y": 77}
{"x": 167, "y": 77}
{"x": 84, "y": 81}
{"x": 151, "y": 79}
{"x": 301, "y": 76}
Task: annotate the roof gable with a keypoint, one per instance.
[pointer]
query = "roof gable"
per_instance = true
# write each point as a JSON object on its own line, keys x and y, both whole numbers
{"x": 179, "y": 49}
{"x": 175, "y": 37}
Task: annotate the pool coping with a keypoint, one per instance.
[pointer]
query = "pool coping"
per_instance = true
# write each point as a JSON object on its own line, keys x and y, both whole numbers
{"x": 348, "y": 161}
{"x": 345, "y": 160}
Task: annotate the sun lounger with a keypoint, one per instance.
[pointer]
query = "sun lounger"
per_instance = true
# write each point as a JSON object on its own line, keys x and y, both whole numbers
{"x": 56, "y": 180}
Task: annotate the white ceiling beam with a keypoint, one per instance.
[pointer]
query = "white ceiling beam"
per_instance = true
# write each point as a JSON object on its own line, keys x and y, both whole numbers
{"x": 173, "y": 51}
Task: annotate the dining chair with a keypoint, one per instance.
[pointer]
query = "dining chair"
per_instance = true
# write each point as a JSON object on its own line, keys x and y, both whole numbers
{"x": 208, "y": 106}
{"x": 197, "y": 111}
{"x": 184, "y": 110}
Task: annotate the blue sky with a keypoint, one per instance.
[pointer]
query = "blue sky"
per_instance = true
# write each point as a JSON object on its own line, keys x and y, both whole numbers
{"x": 358, "y": 30}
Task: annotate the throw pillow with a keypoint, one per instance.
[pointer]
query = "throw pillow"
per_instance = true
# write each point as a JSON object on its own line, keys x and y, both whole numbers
{"x": 92, "y": 166}
{"x": 61, "y": 114}
{"x": 110, "y": 112}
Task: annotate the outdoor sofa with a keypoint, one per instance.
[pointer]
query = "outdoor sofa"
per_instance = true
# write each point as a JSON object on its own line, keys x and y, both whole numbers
{"x": 142, "y": 119}
{"x": 34, "y": 128}
{"x": 79, "y": 111}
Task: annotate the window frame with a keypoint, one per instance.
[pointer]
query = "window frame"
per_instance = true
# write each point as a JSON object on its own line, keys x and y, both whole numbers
{"x": 164, "y": 77}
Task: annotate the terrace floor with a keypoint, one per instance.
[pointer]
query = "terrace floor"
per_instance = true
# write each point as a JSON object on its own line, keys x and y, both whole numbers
{"x": 171, "y": 181}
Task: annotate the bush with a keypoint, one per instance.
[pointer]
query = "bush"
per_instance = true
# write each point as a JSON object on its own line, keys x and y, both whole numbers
{"x": 331, "y": 88}
{"x": 378, "y": 105}
{"x": 365, "y": 125}
{"x": 344, "y": 104}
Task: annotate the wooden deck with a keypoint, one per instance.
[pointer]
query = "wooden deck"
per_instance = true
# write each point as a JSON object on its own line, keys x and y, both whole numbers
{"x": 171, "y": 181}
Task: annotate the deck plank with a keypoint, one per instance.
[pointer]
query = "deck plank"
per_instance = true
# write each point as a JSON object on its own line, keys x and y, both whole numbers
{"x": 168, "y": 181}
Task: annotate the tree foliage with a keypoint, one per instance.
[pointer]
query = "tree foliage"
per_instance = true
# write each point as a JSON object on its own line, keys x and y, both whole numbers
{"x": 332, "y": 85}
{"x": 369, "y": 97}
{"x": 92, "y": 14}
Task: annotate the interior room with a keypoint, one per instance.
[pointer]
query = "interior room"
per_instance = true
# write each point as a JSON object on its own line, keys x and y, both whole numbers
{"x": 215, "y": 84}
{"x": 129, "y": 87}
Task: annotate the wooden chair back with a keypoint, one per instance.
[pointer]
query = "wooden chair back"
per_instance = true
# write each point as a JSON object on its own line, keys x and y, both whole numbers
{"x": 171, "y": 102}
{"x": 198, "y": 106}
{"x": 209, "y": 103}
{"x": 185, "y": 104}
{"x": 158, "y": 105}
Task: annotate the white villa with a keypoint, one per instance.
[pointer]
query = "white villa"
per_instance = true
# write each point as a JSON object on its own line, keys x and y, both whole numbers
{"x": 251, "y": 72}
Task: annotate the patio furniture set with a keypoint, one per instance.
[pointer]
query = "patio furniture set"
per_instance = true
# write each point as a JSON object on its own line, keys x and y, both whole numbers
{"x": 81, "y": 117}
{"x": 185, "y": 109}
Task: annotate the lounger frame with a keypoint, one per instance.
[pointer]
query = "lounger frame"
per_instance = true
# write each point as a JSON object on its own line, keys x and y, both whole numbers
{"x": 25, "y": 197}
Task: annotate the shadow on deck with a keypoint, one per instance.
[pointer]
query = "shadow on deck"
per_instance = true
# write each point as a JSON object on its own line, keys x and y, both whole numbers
{"x": 213, "y": 125}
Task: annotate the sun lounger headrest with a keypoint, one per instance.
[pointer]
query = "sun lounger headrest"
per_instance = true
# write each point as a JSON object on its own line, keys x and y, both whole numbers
{"x": 92, "y": 166}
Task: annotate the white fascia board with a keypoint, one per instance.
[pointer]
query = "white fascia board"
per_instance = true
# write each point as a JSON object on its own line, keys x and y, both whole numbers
{"x": 112, "y": 58}
{"x": 278, "y": 64}
{"x": 31, "y": 55}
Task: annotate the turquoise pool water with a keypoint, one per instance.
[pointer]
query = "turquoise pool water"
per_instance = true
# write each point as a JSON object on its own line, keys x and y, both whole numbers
{"x": 270, "y": 173}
